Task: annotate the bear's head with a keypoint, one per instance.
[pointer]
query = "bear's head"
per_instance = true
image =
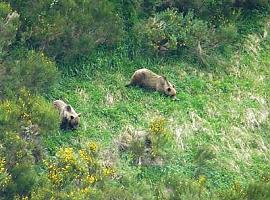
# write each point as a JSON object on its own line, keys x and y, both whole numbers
{"x": 72, "y": 117}
{"x": 168, "y": 88}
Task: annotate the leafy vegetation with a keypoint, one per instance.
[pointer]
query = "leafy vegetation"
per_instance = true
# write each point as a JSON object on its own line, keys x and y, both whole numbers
{"x": 211, "y": 143}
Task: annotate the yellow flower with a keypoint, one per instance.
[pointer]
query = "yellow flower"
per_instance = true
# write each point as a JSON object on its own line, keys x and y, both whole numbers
{"x": 67, "y": 155}
{"x": 158, "y": 126}
{"x": 108, "y": 171}
{"x": 84, "y": 155}
{"x": 2, "y": 162}
{"x": 55, "y": 177}
{"x": 202, "y": 181}
{"x": 93, "y": 146}
{"x": 237, "y": 187}
{"x": 91, "y": 179}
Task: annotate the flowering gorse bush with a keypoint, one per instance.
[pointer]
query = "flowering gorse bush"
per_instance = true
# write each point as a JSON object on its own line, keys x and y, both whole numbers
{"x": 158, "y": 126}
{"x": 26, "y": 110}
{"x": 160, "y": 137}
{"x": 18, "y": 175}
{"x": 5, "y": 177}
{"x": 77, "y": 166}
{"x": 148, "y": 147}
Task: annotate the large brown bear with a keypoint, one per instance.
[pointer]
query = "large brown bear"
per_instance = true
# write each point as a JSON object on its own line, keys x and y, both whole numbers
{"x": 148, "y": 79}
{"x": 69, "y": 118}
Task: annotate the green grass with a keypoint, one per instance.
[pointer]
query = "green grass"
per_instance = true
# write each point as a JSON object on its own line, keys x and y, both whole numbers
{"x": 224, "y": 112}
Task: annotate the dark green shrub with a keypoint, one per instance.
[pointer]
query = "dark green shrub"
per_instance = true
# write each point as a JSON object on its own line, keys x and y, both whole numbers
{"x": 176, "y": 33}
{"x": 33, "y": 70}
{"x": 251, "y": 4}
{"x": 67, "y": 30}
{"x": 208, "y": 7}
{"x": 24, "y": 178}
{"x": 9, "y": 24}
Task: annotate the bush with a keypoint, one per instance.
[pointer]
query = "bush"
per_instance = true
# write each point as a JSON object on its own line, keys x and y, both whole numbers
{"x": 207, "y": 8}
{"x": 148, "y": 148}
{"x": 252, "y": 3}
{"x": 28, "y": 110}
{"x": 161, "y": 139}
{"x": 5, "y": 177}
{"x": 67, "y": 30}
{"x": 78, "y": 168}
{"x": 18, "y": 164}
{"x": 9, "y": 115}
{"x": 172, "y": 32}
{"x": 23, "y": 121}
{"x": 73, "y": 166}
{"x": 24, "y": 178}
{"x": 9, "y": 24}
{"x": 32, "y": 70}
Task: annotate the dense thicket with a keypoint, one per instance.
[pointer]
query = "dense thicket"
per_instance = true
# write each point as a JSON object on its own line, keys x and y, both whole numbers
{"x": 65, "y": 30}
{"x": 41, "y": 39}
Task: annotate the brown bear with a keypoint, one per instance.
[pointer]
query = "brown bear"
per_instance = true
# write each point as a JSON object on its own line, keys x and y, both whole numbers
{"x": 69, "y": 118}
{"x": 148, "y": 79}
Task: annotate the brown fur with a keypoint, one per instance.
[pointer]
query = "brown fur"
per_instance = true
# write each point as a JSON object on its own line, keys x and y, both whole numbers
{"x": 69, "y": 118}
{"x": 148, "y": 79}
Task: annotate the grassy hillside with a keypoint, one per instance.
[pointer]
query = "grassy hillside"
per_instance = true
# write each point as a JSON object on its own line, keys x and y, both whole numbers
{"x": 213, "y": 142}
{"x": 219, "y": 125}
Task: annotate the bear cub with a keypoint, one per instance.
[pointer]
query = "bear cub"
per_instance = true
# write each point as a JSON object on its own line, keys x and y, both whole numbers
{"x": 68, "y": 116}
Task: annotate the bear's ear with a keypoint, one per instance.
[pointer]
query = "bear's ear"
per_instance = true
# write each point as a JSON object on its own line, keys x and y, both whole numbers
{"x": 79, "y": 114}
{"x": 173, "y": 86}
{"x": 68, "y": 107}
{"x": 162, "y": 81}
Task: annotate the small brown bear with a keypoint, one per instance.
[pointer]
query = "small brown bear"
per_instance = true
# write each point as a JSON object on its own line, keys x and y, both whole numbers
{"x": 69, "y": 118}
{"x": 148, "y": 79}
